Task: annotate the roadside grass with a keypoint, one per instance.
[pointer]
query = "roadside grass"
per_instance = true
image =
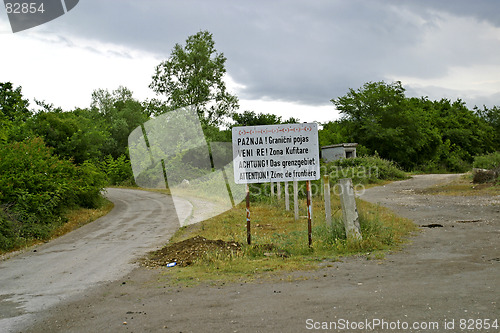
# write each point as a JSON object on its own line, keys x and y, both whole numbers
{"x": 80, "y": 217}
{"x": 75, "y": 218}
{"x": 280, "y": 244}
{"x": 463, "y": 186}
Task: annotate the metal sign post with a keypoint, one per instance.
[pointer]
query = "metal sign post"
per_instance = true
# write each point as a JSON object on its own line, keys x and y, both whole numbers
{"x": 249, "y": 234}
{"x": 309, "y": 212}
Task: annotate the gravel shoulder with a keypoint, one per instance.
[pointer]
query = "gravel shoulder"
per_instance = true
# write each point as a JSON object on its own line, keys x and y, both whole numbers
{"x": 441, "y": 276}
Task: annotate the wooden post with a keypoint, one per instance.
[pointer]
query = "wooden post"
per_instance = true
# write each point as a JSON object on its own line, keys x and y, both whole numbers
{"x": 287, "y": 197}
{"x": 249, "y": 234}
{"x": 322, "y": 183}
{"x": 296, "y": 199}
{"x": 349, "y": 210}
{"x": 328, "y": 203}
{"x": 272, "y": 189}
{"x": 309, "y": 212}
{"x": 278, "y": 190}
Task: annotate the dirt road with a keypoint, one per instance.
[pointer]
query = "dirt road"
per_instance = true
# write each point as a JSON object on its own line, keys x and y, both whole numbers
{"x": 93, "y": 255}
{"x": 446, "y": 279}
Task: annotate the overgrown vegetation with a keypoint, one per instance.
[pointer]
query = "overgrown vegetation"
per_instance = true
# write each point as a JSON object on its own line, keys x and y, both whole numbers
{"x": 464, "y": 186}
{"x": 279, "y": 243}
{"x": 488, "y": 161}
{"x": 37, "y": 187}
{"x": 416, "y": 133}
{"x": 362, "y": 170}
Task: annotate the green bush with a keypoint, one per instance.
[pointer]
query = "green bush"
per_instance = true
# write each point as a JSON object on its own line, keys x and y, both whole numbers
{"x": 37, "y": 187}
{"x": 363, "y": 170}
{"x": 118, "y": 171}
{"x": 9, "y": 228}
{"x": 488, "y": 161}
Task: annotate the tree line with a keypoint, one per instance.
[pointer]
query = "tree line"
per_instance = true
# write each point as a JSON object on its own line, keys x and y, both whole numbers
{"x": 416, "y": 133}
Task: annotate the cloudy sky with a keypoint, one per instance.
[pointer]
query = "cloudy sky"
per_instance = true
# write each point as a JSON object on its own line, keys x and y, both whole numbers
{"x": 287, "y": 57}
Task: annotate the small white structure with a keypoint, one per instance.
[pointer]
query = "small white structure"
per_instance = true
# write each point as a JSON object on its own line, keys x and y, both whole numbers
{"x": 338, "y": 151}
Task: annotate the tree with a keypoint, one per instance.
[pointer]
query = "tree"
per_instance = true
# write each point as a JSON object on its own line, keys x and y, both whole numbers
{"x": 464, "y": 134}
{"x": 121, "y": 114}
{"x": 381, "y": 118}
{"x": 12, "y": 104}
{"x": 250, "y": 118}
{"x": 415, "y": 132}
{"x": 492, "y": 118}
{"x": 193, "y": 76}
{"x": 13, "y": 109}
{"x": 71, "y": 135}
{"x": 334, "y": 132}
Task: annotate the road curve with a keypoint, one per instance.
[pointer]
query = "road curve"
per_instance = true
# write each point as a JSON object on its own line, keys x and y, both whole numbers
{"x": 99, "y": 252}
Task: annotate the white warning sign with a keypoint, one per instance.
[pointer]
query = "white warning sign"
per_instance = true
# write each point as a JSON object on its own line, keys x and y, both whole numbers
{"x": 277, "y": 153}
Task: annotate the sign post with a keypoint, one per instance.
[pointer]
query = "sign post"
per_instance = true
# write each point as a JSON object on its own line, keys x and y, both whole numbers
{"x": 328, "y": 203}
{"x": 287, "y": 197}
{"x": 276, "y": 153}
{"x": 249, "y": 234}
{"x": 296, "y": 200}
{"x": 309, "y": 212}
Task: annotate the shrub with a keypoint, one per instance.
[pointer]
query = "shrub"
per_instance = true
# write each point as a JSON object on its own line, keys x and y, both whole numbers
{"x": 363, "y": 170}
{"x": 118, "y": 171}
{"x": 489, "y": 161}
{"x": 37, "y": 187}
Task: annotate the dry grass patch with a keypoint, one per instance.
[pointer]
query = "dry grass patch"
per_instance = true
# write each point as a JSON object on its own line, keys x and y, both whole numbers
{"x": 463, "y": 186}
{"x": 81, "y": 216}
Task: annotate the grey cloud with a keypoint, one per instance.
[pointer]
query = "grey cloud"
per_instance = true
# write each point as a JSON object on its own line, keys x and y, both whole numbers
{"x": 295, "y": 50}
{"x": 470, "y": 97}
{"x": 482, "y": 10}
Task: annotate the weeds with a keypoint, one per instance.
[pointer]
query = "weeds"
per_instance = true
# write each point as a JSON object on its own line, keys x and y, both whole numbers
{"x": 279, "y": 243}
{"x": 463, "y": 186}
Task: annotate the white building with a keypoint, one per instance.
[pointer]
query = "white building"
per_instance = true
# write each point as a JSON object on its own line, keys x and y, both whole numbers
{"x": 338, "y": 151}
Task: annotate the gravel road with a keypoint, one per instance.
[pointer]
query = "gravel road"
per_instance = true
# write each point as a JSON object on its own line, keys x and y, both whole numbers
{"x": 445, "y": 279}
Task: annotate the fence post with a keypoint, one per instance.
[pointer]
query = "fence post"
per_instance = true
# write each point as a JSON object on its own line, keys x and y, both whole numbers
{"x": 349, "y": 210}
{"x": 309, "y": 213}
{"x": 296, "y": 199}
{"x": 287, "y": 197}
{"x": 328, "y": 203}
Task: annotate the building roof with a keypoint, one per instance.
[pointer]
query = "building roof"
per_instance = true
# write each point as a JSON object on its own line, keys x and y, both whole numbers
{"x": 345, "y": 145}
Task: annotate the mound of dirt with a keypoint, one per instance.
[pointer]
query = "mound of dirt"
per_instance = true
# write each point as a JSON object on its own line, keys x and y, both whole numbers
{"x": 185, "y": 252}
{"x": 481, "y": 176}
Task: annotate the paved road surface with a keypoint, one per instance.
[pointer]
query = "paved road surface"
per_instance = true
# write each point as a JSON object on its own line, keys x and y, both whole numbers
{"x": 97, "y": 253}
